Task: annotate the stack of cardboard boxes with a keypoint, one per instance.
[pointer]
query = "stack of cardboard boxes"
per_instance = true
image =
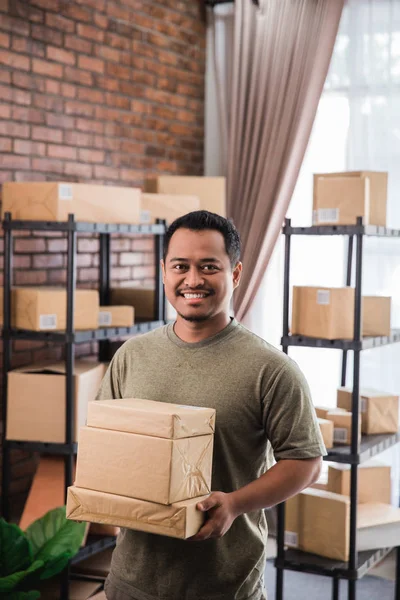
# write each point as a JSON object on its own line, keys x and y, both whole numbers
{"x": 143, "y": 465}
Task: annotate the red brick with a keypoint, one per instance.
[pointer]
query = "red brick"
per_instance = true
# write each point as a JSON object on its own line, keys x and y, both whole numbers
{"x": 88, "y": 275}
{"x": 77, "y": 138}
{"x": 46, "y": 35}
{"x": 14, "y": 61}
{"x": 47, "y": 102}
{"x": 91, "y": 64}
{"x": 91, "y": 95}
{"x": 4, "y": 6}
{"x": 118, "y": 101}
{"x": 92, "y": 33}
{"x": 46, "y": 134}
{"x": 77, "y": 13}
{"x": 28, "y": 82}
{"x": 106, "y": 143}
{"x": 60, "y": 245}
{"x": 5, "y": 144}
{"x": 59, "y": 55}
{"x": 19, "y": 26}
{"x": 106, "y": 172}
{"x": 96, "y": 4}
{"x": 117, "y": 41}
{"x": 84, "y": 260}
{"x": 11, "y": 161}
{"x": 28, "y": 46}
{"x": 101, "y": 21}
{"x": 79, "y": 109}
{"x": 29, "y": 176}
{"x": 91, "y": 156}
{"x": 30, "y": 115}
{"x": 4, "y": 40}
{"x": 24, "y": 11}
{"x": 22, "y": 97}
{"x": 5, "y": 77}
{"x": 5, "y": 111}
{"x": 30, "y": 148}
{"x": 47, "y": 165}
{"x": 43, "y": 261}
{"x": 47, "y": 4}
{"x": 68, "y": 90}
{"x": 88, "y": 245}
{"x": 108, "y": 114}
{"x": 89, "y": 126}
{"x": 131, "y": 175}
{"x": 55, "y": 276}
{"x": 120, "y": 244}
{"x": 22, "y": 262}
{"x": 107, "y": 83}
{"x": 121, "y": 273}
{"x": 129, "y": 259}
{"x": 78, "y": 76}
{"x": 30, "y": 277}
{"x": 59, "y": 22}
{"x": 76, "y": 43}
{"x": 143, "y": 272}
{"x": 107, "y": 53}
{"x": 132, "y": 147}
{"x": 78, "y": 169}
{"x": 55, "y": 120}
{"x": 5, "y": 176}
{"x": 65, "y": 152}
{"x": 119, "y": 71}
{"x": 53, "y": 87}
{"x": 29, "y": 245}
{"x": 14, "y": 129}
{"x": 47, "y": 68}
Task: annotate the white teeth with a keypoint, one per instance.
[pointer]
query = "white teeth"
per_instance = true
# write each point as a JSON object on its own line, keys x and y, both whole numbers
{"x": 189, "y": 296}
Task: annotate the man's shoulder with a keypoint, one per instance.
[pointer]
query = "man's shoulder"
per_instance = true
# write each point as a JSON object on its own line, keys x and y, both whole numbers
{"x": 145, "y": 341}
{"x": 250, "y": 341}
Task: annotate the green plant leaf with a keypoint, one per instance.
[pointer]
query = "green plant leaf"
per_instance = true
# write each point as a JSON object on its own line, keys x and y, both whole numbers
{"x": 10, "y": 582}
{"x": 32, "y": 595}
{"x": 54, "y": 535}
{"x": 55, "y": 565}
{"x": 15, "y": 549}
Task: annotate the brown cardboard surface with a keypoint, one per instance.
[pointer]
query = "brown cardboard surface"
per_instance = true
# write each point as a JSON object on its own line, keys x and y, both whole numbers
{"x": 322, "y": 411}
{"x": 78, "y": 590}
{"x": 210, "y": 190}
{"x": 339, "y": 198}
{"x": 144, "y": 467}
{"x": 166, "y": 206}
{"x": 292, "y": 521}
{"x": 54, "y": 201}
{"x": 379, "y": 410}
{"x": 36, "y": 399}
{"x": 326, "y": 427}
{"x": 141, "y": 298}
{"x": 180, "y": 519}
{"x": 376, "y": 315}
{"x": 342, "y": 426}
{"x": 323, "y": 312}
{"x": 116, "y": 316}
{"x": 97, "y": 565}
{"x": 45, "y": 308}
{"x": 374, "y": 482}
{"x": 99, "y": 596}
{"x": 147, "y": 417}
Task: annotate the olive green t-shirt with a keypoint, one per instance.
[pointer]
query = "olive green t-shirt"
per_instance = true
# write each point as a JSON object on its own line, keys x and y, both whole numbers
{"x": 260, "y": 397}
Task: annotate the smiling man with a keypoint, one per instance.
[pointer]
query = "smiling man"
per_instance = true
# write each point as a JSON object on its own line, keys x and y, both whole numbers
{"x": 206, "y": 358}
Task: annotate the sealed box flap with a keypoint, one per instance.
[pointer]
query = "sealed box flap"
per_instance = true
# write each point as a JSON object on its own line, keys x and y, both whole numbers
{"x": 80, "y": 367}
{"x": 148, "y": 417}
{"x": 376, "y": 513}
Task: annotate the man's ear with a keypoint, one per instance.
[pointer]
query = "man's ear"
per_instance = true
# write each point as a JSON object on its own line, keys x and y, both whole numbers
{"x": 162, "y": 270}
{"x": 236, "y": 274}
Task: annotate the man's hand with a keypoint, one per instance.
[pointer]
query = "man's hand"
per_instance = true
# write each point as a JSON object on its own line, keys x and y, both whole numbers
{"x": 221, "y": 511}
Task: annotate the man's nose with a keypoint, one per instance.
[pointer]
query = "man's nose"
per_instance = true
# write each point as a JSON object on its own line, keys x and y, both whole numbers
{"x": 193, "y": 278}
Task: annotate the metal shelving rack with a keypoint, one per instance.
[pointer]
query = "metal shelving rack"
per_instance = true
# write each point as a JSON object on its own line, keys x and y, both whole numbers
{"x": 359, "y": 562}
{"x": 69, "y": 338}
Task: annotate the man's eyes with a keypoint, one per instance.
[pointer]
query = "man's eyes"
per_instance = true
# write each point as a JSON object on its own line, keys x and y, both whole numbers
{"x": 207, "y": 268}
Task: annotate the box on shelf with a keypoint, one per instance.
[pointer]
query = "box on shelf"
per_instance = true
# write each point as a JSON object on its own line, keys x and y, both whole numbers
{"x": 210, "y": 190}
{"x": 36, "y": 400}
{"x": 146, "y": 450}
{"x": 116, "y": 316}
{"x": 326, "y": 427}
{"x": 98, "y": 565}
{"x": 342, "y": 427}
{"x": 339, "y": 198}
{"x": 379, "y": 410}
{"x": 45, "y": 308}
{"x": 179, "y": 519}
{"x": 322, "y": 411}
{"x": 376, "y": 315}
{"x": 374, "y": 482}
{"x": 54, "y": 201}
{"x": 166, "y": 206}
{"x": 77, "y": 590}
{"x": 142, "y": 299}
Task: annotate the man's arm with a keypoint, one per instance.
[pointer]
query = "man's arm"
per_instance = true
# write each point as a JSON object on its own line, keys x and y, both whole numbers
{"x": 285, "y": 479}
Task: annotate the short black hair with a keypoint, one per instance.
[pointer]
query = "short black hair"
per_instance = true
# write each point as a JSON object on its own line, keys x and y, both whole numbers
{"x": 200, "y": 220}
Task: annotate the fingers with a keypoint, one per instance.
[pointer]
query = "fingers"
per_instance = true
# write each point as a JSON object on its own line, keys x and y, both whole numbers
{"x": 211, "y": 502}
{"x": 205, "y": 533}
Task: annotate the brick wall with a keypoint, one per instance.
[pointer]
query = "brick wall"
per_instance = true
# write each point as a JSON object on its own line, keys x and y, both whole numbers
{"x": 101, "y": 91}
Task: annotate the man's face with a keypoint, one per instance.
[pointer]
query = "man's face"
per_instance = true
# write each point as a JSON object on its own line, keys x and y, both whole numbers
{"x": 197, "y": 274}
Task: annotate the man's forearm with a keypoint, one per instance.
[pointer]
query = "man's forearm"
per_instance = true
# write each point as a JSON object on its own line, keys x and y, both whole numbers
{"x": 283, "y": 480}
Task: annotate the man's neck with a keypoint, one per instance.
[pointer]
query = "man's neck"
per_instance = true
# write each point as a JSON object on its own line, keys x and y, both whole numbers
{"x": 192, "y": 331}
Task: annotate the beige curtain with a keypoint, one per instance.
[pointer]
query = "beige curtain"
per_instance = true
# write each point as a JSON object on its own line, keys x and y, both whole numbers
{"x": 280, "y": 58}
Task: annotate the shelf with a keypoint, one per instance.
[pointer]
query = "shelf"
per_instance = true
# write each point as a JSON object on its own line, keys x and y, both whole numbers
{"x": 92, "y": 335}
{"x": 81, "y": 227}
{"x": 43, "y": 447}
{"x": 296, "y": 560}
{"x": 369, "y": 230}
{"x": 94, "y": 545}
{"x": 366, "y": 343}
{"x": 370, "y": 446}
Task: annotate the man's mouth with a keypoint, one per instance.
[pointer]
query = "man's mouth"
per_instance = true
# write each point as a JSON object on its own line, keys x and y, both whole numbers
{"x": 194, "y": 295}
{"x": 191, "y": 296}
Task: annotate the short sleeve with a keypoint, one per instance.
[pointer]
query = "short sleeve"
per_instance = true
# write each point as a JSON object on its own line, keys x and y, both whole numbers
{"x": 289, "y": 417}
{"x": 111, "y": 386}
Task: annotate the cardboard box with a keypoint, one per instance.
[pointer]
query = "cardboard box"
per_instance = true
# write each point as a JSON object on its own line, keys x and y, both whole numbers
{"x": 374, "y": 482}
{"x": 342, "y": 427}
{"x": 77, "y": 590}
{"x": 45, "y": 308}
{"x": 326, "y": 427}
{"x": 378, "y": 526}
{"x": 54, "y": 201}
{"x": 116, "y": 316}
{"x": 323, "y": 411}
{"x": 147, "y": 417}
{"x": 166, "y": 206}
{"x": 292, "y": 521}
{"x": 323, "y": 312}
{"x": 210, "y": 190}
{"x": 36, "y": 400}
{"x": 379, "y": 410}
{"x": 178, "y": 520}
{"x": 142, "y": 299}
{"x": 376, "y": 315}
{"x": 143, "y": 466}
{"x": 99, "y": 564}
{"x": 339, "y": 198}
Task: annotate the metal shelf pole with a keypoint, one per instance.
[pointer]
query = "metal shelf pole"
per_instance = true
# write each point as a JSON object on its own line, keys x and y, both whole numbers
{"x": 159, "y": 303}
{"x": 348, "y": 283}
{"x": 105, "y": 277}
